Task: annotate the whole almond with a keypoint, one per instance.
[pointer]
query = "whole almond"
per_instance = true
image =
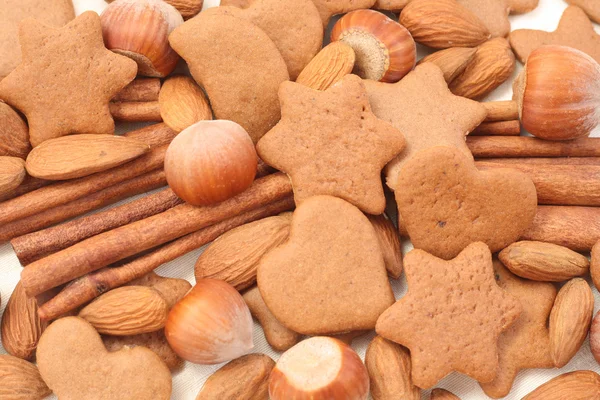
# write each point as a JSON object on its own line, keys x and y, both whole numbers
{"x": 246, "y": 378}
{"x": 595, "y": 265}
{"x": 75, "y": 156}
{"x": 128, "y": 310}
{"x": 183, "y": 103}
{"x": 578, "y": 385}
{"x": 20, "y": 380}
{"x": 442, "y": 394}
{"x": 570, "y": 320}
{"x": 187, "y": 8}
{"x": 452, "y": 61}
{"x": 493, "y": 64}
{"x": 595, "y": 337}
{"x": 443, "y": 23}
{"x": 12, "y": 174}
{"x": 234, "y": 256}
{"x": 389, "y": 241}
{"x": 540, "y": 261}
{"x": 389, "y": 369}
{"x": 21, "y": 326}
{"x": 14, "y": 133}
{"x": 331, "y": 64}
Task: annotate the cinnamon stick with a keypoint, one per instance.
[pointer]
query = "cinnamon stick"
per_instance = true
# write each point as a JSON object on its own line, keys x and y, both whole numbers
{"x": 577, "y": 228}
{"x": 29, "y": 184}
{"x": 136, "y": 111}
{"x": 110, "y": 195}
{"x": 94, "y": 284}
{"x": 521, "y": 146}
{"x": 37, "y": 245}
{"x": 499, "y": 128}
{"x": 501, "y": 110}
{"x": 112, "y": 246}
{"x": 141, "y": 89}
{"x": 153, "y": 135}
{"x": 544, "y": 160}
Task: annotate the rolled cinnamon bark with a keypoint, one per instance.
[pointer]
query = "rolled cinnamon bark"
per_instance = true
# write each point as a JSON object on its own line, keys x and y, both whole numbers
{"x": 544, "y": 160}
{"x": 29, "y": 185}
{"x": 521, "y": 146}
{"x": 499, "y": 128}
{"x": 94, "y": 284}
{"x": 37, "y": 245}
{"x": 136, "y": 111}
{"x": 115, "y": 245}
{"x": 501, "y": 110}
{"x": 141, "y": 89}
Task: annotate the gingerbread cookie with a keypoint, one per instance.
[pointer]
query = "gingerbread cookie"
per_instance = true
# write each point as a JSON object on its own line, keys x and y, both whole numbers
{"x": 390, "y": 5}
{"x": 591, "y": 8}
{"x": 329, "y": 277}
{"x": 66, "y": 79}
{"x": 451, "y": 316}
{"x": 493, "y": 14}
{"x": 522, "y": 6}
{"x": 241, "y": 83}
{"x": 75, "y": 365}
{"x": 329, "y": 8}
{"x": 422, "y": 107}
{"x": 526, "y": 344}
{"x": 331, "y": 143}
{"x": 574, "y": 30}
{"x": 446, "y": 203}
{"x": 51, "y": 12}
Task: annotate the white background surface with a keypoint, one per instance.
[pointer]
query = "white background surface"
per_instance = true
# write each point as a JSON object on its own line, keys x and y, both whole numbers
{"x": 188, "y": 382}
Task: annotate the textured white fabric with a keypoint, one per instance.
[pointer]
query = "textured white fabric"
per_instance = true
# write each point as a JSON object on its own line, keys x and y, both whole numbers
{"x": 188, "y": 382}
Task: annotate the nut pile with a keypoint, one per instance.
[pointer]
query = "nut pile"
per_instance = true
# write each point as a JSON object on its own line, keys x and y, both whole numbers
{"x": 287, "y": 186}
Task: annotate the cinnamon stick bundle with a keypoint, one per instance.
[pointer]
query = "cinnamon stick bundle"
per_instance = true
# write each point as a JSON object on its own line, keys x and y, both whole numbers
{"x": 136, "y": 111}
{"x": 115, "y": 245}
{"x": 501, "y": 110}
{"x": 498, "y": 128}
{"x": 141, "y": 89}
{"x": 90, "y": 286}
{"x": 521, "y": 146}
{"x": 37, "y": 245}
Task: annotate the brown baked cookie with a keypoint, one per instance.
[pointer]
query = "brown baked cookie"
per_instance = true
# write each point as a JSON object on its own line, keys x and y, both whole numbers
{"x": 66, "y": 79}
{"x": 574, "y": 30}
{"x": 446, "y": 203}
{"x": 493, "y": 14}
{"x": 329, "y": 277}
{"x": 238, "y": 65}
{"x": 526, "y": 344}
{"x": 329, "y": 142}
{"x": 591, "y": 8}
{"x": 522, "y": 6}
{"x": 329, "y": 8}
{"x": 422, "y": 107}
{"x": 75, "y": 365}
{"x": 390, "y": 5}
{"x": 51, "y": 12}
{"x": 451, "y": 316}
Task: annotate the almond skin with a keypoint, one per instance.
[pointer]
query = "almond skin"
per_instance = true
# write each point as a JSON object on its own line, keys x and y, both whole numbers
{"x": 128, "y": 310}
{"x": 20, "y": 380}
{"x": 14, "y": 133}
{"x": 442, "y": 394}
{"x": 578, "y": 385}
{"x": 389, "y": 241}
{"x": 540, "y": 261}
{"x": 595, "y": 265}
{"x": 570, "y": 320}
{"x": 12, "y": 174}
{"x": 452, "y": 61}
{"x": 183, "y": 103}
{"x": 331, "y": 64}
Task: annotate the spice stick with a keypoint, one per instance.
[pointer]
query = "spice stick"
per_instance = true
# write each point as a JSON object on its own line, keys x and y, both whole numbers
{"x": 520, "y": 146}
{"x": 110, "y": 195}
{"x": 64, "y": 192}
{"x": 573, "y": 185}
{"x": 141, "y": 89}
{"x": 115, "y": 245}
{"x": 501, "y": 110}
{"x": 577, "y": 228}
{"x": 499, "y": 128}
{"x": 153, "y": 135}
{"x": 29, "y": 184}
{"x": 136, "y": 111}
{"x": 37, "y": 245}
{"x": 544, "y": 160}
{"x": 93, "y": 285}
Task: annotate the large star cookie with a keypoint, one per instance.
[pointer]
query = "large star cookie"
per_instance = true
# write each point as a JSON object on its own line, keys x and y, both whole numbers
{"x": 451, "y": 317}
{"x": 422, "y": 107}
{"x": 591, "y": 8}
{"x": 493, "y": 14}
{"x": 66, "y": 79}
{"x": 331, "y": 143}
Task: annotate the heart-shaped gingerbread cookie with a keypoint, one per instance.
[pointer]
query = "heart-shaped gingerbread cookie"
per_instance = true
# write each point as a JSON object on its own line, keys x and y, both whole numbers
{"x": 75, "y": 364}
{"x": 447, "y": 204}
{"x": 329, "y": 277}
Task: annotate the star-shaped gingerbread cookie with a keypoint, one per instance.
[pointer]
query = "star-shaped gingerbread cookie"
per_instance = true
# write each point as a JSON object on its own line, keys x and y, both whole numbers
{"x": 526, "y": 344}
{"x": 329, "y": 8}
{"x": 451, "y": 317}
{"x": 591, "y": 8}
{"x": 66, "y": 79}
{"x": 522, "y": 6}
{"x": 329, "y": 142}
{"x": 493, "y": 14}
{"x": 422, "y": 107}
{"x": 574, "y": 30}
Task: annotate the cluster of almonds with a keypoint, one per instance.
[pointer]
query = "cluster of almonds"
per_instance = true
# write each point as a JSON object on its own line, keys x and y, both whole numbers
{"x": 296, "y": 273}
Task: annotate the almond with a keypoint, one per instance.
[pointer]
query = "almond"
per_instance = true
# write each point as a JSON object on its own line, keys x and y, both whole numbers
{"x": 183, "y": 103}
{"x": 452, "y": 61}
{"x": 389, "y": 369}
{"x": 331, "y": 64}
{"x": 20, "y": 380}
{"x": 75, "y": 156}
{"x": 389, "y": 241}
{"x": 128, "y": 310}
{"x": 570, "y": 320}
{"x": 14, "y": 134}
{"x": 443, "y": 23}
{"x": 442, "y": 394}
{"x": 578, "y": 385}
{"x": 595, "y": 265}
{"x": 21, "y": 326}
{"x": 187, "y": 8}
{"x": 12, "y": 174}
{"x": 234, "y": 256}
{"x": 493, "y": 64}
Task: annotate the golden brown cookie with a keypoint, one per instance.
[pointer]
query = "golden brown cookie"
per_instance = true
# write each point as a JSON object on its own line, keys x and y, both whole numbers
{"x": 329, "y": 277}
{"x": 446, "y": 203}
{"x": 591, "y": 8}
{"x": 331, "y": 143}
{"x": 451, "y": 316}
{"x": 329, "y": 8}
{"x": 574, "y": 30}
{"x": 422, "y": 107}
{"x": 522, "y": 6}
{"x": 238, "y": 65}
{"x": 493, "y": 14}
{"x": 66, "y": 79}
{"x": 390, "y": 5}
